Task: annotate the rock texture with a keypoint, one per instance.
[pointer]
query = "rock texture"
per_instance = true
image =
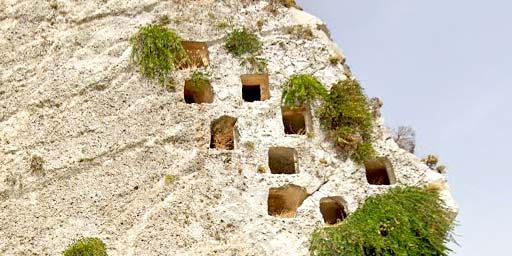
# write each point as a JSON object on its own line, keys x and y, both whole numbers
{"x": 108, "y": 137}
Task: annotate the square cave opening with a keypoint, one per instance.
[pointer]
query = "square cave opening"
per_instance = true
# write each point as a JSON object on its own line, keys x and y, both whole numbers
{"x": 379, "y": 171}
{"x": 197, "y": 53}
{"x": 333, "y": 209}
{"x": 283, "y": 160}
{"x": 284, "y": 201}
{"x": 255, "y": 87}
{"x": 296, "y": 120}
{"x": 198, "y": 92}
{"x": 223, "y": 133}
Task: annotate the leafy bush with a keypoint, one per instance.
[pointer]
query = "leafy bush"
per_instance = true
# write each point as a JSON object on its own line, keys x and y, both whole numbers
{"x": 240, "y": 42}
{"x": 157, "y": 50}
{"x": 302, "y": 89}
{"x": 89, "y": 246}
{"x": 403, "y": 221}
{"x": 346, "y": 112}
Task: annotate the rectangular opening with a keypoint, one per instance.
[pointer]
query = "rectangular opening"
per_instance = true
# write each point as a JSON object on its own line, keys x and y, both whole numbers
{"x": 379, "y": 171}
{"x": 282, "y": 160}
{"x": 284, "y": 201}
{"x": 295, "y": 120}
{"x": 251, "y": 93}
{"x": 199, "y": 92}
{"x": 197, "y": 53}
{"x": 223, "y": 133}
{"x": 255, "y": 87}
{"x": 333, "y": 209}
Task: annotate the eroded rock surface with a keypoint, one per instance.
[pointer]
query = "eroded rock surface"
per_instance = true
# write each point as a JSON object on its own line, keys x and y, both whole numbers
{"x": 108, "y": 137}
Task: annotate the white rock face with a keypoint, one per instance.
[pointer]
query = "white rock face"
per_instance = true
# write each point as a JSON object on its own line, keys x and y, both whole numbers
{"x": 108, "y": 136}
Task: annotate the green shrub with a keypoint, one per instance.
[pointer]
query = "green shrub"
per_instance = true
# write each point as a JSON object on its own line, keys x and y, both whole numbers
{"x": 346, "y": 112}
{"x": 89, "y": 246}
{"x": 403, "y": 221}
{"x": 240, "y": 42}
{"x": 363, "y": 152}
{"x": 199, "y": 80}
{"x": 302, "y": 89}
{"x": 157, "y": 50}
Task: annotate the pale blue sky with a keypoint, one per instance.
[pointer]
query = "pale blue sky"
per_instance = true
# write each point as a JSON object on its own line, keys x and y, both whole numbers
{"x": 442, "y": 67}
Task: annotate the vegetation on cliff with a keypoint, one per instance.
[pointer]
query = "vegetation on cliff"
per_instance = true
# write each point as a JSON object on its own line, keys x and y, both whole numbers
{"x": 302, "y": 89}
{"x": 157, "y": 50}
{"x": 403, "y": 221}
{"x": 88, "y": 246}
{"x": 243, "y": 41}
{"x": 346, "y": 113}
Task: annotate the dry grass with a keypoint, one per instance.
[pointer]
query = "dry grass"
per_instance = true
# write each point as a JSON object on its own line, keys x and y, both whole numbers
{"x": 301, "y": 32}
{"x": 36, "y": 165}
{"x": 286, "y": 214}
{"x": 336, "y": 59}
{"x": 223, "y": 141}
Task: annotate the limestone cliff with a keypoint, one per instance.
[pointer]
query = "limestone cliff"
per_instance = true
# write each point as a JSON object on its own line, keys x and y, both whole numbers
{"x": 104, "y": 138}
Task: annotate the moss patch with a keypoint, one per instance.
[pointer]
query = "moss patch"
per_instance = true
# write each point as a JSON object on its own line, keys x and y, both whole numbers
{"x": 157, "y": 50}
{"x": 403, "y": 221}
{"x": 346, "y": 112}
{"x": 89, "y": 246}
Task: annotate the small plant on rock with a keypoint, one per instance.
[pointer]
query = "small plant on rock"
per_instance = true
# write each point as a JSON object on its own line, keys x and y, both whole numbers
{"x": 242, "y": 41}
{"x": 199, "y": 80}
{"x": 164, "y": 20}
{"x": 301, "y": 32}
{"x": 255, "y": 64}
{"x": 289, "y": 4}
{"x": 346, "y": 113}
{"x": 336, "y": 59}
{"x": 169, "y": 179}
{"x": 36, "y": 165}
{"x": 223, "y": 25}
{"x": 157, "y": 50}
{"x": 432, "y": 162}
{"x": 403, "y": 221}
{"x": 89, "y": 246}
{"x": 302, "y": 89}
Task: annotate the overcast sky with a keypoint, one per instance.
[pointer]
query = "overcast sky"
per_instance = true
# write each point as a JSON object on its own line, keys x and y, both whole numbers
{"x": 442, "y": 67}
